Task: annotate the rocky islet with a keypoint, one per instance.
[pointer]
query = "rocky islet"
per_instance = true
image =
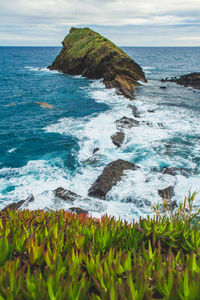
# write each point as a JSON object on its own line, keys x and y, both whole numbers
{"x": 87, "y": 53}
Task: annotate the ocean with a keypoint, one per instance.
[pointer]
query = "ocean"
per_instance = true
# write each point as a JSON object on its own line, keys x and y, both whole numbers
{"x": 42, "y": 149}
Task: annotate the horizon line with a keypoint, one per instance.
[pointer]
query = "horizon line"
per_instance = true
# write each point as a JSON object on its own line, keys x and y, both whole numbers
{"x": 56, "y": 46}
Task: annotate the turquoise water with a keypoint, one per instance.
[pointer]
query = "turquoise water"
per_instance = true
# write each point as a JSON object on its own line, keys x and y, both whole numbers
{"x": 42, "y": 149}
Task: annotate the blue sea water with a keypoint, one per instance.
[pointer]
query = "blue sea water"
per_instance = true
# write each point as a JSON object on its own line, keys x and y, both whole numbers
{"x": 42, "y": 149}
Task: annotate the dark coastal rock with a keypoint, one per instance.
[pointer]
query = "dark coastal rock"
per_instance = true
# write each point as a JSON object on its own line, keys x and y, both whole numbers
{"x": 174, "y": 204}
{"x": 30, "y": 199}
{"x": 118, "y": 138}
{"x": 147, "y": 123}
{"x": 92, "y": 161}
{"x": 17, "y": 205}
{"x": 126, "y": 122}
{"x": 138, "y": 202}
{"x": 66, "y": 194}
{"x": 95, "y": 150}
{"x": 135, "y": 111}
{"x": 174, "y": 171}
{"x": 89, "y": 54}
{"x": 187, "y": 80}
{"x": 166, "y": 193}
{"x": 78, "y": 210}
{"x": 112, "y": 173}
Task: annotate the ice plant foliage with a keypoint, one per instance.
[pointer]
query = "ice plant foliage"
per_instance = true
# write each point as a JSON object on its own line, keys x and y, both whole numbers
{"x": 59, "y": 255}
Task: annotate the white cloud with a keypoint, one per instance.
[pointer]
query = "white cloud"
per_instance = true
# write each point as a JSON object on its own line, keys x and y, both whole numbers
{"x": 190, "y": 38}
{"x": 50, "y": 19}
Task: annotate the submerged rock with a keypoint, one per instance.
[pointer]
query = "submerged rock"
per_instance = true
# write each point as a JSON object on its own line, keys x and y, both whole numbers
{"x": 11, "y": 104}
{"x": 87, "y": 53}
{"x": 126, "y": 122}
{"x": 17, "y": 205}
{"x": 118, "y": 138}
{"x": 134, "y": 111}
{"x": 166, "y": 193}
{"x": 112, "y": 173}
{"x": 95, "y": 150}
{"x": 44, "y": 105}
{"x": 138, "y": 202}
{"x": 78, "y": 210}
{"x": 66, "y": 195}
{"x": 174, "y": 171}
{"x": 192, "y": 80}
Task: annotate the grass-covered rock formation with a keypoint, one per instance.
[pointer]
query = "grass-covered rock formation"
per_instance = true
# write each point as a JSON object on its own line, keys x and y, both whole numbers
{"x": 59, "y": 255}
{"x": 89, "y": 54}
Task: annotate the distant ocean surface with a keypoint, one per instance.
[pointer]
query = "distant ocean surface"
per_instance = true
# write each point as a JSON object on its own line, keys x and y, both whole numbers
{"x": 43, "y": 149}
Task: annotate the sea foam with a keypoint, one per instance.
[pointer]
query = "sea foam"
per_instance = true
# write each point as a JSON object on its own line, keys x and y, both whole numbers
{"x": 150, "y": 146}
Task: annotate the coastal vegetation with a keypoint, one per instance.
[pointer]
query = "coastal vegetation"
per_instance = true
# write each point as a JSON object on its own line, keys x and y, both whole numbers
{"x": 60, "y": 255}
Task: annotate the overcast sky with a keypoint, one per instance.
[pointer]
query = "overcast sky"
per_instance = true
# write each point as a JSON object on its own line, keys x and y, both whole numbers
{"x": 125, "y": 22}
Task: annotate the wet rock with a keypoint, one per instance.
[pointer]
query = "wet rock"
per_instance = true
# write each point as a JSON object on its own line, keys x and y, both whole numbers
{"x": 135, "y": 111}
{"x": 96, "y": 160}
{"x": 122, "y": 86}
{"x": 166, "y": 193}
{"x": 147, "y": 123}
{"x": 118, "y": 138}
{"x": 30, "y": 199}
{"x": 112, "y": 173}
{"x": 192, "y": 80}
{"x": 174, "y": 204}
{"x": 66, "y": 195}
{"x": 170, "y": 205}
{"x": 174, "y": 171}
{"x": 78, "y": 210}
{"x": 126, "y": 122}
{"x": 95, "y": 150}
{"x": 138, "y": 202}
{"x": 17, "y": 205}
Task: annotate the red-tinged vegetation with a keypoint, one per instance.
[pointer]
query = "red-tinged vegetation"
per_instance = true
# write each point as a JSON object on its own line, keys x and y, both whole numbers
{"x": 59, "y": 255}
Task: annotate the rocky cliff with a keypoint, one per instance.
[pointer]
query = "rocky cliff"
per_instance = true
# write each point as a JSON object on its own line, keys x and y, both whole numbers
{"x": 89, "y": 54}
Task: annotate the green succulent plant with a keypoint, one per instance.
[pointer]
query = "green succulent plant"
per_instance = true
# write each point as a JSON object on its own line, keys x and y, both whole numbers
{"x": 59, "y": 255}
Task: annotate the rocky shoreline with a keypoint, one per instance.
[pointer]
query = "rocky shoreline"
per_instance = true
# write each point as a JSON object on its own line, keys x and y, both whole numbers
{"x": 111, "y": 174}
{"x": 187, "y": 80}
{"x": 117, "y": 70}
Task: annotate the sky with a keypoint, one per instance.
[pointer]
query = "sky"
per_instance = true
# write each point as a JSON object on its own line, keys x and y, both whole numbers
{"x": 125, "y": 22}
